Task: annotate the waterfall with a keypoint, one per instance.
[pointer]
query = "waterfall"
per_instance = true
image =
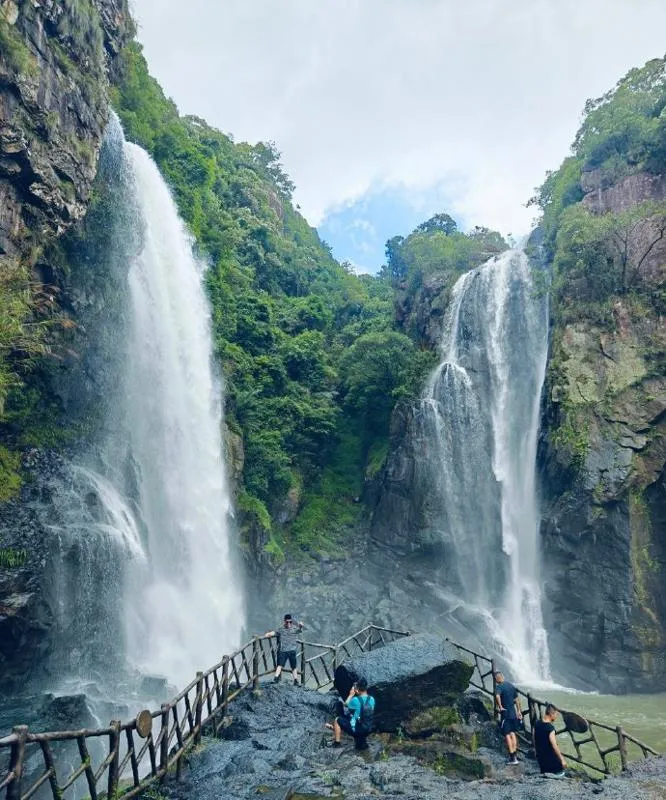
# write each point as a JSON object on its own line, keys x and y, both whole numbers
{"x": 150, "y": 505}
{"x": 480, "y": 420}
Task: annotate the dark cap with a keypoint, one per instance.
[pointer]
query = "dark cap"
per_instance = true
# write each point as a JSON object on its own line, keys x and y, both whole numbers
{"x": 287, "y": 617}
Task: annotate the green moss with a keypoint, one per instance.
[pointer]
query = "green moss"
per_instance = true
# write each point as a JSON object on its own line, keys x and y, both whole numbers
{"x": 253, "y": 506}
{"x": 274, "y": 550}
{"x": 13, "y": 50}
{"x": 645, "y": 572}
{"x": 571, "y": 439}
{"x": 455, "y": 764}
{"x": 10, "y": 474}
{"x": 376, "y": 459}
{"x": 11, "y": 558}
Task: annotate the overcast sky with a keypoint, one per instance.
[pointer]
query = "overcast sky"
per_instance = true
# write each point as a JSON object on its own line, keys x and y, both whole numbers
{"x": 387, "y": 111}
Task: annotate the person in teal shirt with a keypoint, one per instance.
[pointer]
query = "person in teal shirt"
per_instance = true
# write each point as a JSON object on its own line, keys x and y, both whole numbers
{"x": 357, "y": 722}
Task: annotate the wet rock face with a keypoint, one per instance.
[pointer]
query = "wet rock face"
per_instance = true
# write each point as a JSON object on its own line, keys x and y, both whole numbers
{"x": 27, "y": 601}
{"x": 604, "y": 504}
{"x": 53, "y": 110}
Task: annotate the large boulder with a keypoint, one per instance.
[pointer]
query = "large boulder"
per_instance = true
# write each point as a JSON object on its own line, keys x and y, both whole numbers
{"x": 407, "y": 676}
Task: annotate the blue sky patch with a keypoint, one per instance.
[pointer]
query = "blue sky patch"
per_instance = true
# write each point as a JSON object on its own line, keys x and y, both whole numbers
{"x": 357, "y": 232}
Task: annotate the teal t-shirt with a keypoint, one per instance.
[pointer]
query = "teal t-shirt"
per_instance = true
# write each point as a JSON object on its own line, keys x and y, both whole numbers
{"x": 354, "y": 705}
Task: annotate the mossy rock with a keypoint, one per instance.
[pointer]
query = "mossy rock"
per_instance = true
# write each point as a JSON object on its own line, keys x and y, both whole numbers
{"x": 445, "y": 759}
{"x": 430, "y": 721}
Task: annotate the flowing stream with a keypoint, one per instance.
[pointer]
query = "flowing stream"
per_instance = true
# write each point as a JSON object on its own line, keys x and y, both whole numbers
{"x": 481, "y": 418}
{"x": 149, "y": 575}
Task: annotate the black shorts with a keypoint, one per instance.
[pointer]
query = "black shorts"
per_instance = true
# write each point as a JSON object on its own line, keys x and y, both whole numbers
{"x": 345, "y": 725}
{"x": 287, "y": 655}
{"x": 510, "y": 726}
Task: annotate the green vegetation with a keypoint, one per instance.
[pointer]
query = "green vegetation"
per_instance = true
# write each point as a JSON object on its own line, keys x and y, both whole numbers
{"x": 313, "y": 363}
{"x": 10, "y": 558}
{"x": 437, "y": 246}
{"x": 13, "y": 50}
{"x": 597, "y": 256}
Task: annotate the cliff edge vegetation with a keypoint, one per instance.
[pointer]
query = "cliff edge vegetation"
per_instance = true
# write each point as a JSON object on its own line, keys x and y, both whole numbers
{"x": 604, "y": 452}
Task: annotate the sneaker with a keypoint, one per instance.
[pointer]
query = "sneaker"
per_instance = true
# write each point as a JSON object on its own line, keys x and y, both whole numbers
{"x": 513, "y": 759}
{"x": 277, "y": 679}
{"x": 297, "y": 683}
{"x": 337, "y": 744}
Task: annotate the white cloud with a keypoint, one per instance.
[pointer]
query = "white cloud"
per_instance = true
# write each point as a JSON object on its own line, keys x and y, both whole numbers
{"x": 483, "y": 95}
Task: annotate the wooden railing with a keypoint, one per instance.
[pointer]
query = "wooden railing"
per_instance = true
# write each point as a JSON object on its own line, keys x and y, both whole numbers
{"x": 125, "y": 758}
{"x": 593, "y": 749}
{"x": 133, "y": 755}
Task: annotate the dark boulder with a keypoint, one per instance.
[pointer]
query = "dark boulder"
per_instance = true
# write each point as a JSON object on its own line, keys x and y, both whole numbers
{"x": 418, "y": 672}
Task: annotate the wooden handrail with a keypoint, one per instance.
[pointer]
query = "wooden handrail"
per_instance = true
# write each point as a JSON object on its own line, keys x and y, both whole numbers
{"x": 203, "y": 704}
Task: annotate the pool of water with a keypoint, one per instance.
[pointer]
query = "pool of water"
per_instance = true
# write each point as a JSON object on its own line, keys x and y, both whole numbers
{"x": 641, "y": 715}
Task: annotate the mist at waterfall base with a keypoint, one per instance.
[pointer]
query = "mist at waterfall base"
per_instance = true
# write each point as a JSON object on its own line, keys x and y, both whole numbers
{"x": 479, "y": 425}
{"x": 146, "y": 581}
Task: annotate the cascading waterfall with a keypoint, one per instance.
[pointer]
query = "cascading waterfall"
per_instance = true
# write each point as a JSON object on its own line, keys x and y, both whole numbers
{"x": 186, "y": 611}
{"x": 480, "y": 419}
{"x": 150, "y": 507}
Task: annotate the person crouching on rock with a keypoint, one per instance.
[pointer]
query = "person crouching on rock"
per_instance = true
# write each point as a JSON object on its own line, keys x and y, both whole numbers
{"x": 357, "y": 722}
{"x": 551, "y": 761}
{"x": 287, "y": 635}
{"x": 508, "y": 704}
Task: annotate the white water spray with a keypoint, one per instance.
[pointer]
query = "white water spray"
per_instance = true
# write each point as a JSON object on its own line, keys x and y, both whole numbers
{"x": 183, "y": 603}
{"x": 146, "y": 572}
{"x": 482, "y": 416}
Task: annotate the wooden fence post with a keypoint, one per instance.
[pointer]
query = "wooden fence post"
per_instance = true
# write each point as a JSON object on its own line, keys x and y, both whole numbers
{"x": 303, "y": 665}
{"x": 198, "y": 708}
{"x": 225, "y": 684}
{"x": 335, "y": 660}
{"x": 17, "y": 758}
{"x": 164, "y": 741}
{"x": 622, "y": 743}
{"x": 255, "y": 662}
{"x": 114, "y": 745}
{"x": 492, "y": 667}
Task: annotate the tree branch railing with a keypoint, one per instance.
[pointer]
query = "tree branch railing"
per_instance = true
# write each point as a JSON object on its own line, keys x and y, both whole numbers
{"x": 125, "y": 758}
{"x": 593, "y": 749}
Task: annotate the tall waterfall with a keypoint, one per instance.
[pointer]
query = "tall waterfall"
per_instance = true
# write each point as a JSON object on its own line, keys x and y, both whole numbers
{"x": 481, "y": 419}
{"x": 149, "y": 510}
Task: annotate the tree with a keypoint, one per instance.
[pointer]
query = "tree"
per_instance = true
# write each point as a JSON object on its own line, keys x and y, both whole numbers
{"x": 601, "y": 255}
{"x": 378, "y": 369}
{"x": 440, "y": 222}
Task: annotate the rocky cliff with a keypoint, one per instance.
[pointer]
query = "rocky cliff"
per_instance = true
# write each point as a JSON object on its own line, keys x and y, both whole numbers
{"x": 603, "y": 461}
{"x": 56, "y": 61}
{"x": 54, "y": 65}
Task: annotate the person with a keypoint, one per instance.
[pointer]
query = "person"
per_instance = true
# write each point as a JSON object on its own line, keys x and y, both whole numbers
{"x": 287, "y": 635}
{"x": 508, "y": 704}
{"x": 357, "y": 722}
{"x": 551, "y": 761}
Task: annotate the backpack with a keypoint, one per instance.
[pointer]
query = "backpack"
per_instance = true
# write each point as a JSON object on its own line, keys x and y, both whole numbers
{"x": 365, "y": 718}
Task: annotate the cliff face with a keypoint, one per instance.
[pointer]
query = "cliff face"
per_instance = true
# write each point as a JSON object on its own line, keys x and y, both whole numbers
{"x": 603, "y": 461}
{"x": 55, "y": 60}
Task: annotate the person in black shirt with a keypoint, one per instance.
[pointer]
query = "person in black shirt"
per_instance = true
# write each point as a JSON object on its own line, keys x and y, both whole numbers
{"x": 551, "y": 761}
{"x": 511, "y": 715}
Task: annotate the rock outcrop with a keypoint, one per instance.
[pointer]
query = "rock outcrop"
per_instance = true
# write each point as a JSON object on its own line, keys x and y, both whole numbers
{"x": 603, "y": 460}
{"x": 55, "y": 59}
{"x": 418, "y": 672}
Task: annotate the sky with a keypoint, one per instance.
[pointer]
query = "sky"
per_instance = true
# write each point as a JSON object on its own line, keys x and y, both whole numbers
{"x": 388, "y": 111}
